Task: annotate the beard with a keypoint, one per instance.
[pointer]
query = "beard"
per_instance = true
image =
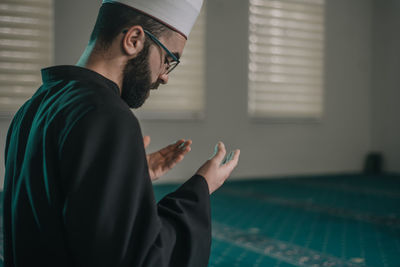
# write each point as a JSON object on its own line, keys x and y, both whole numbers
{"x": 136, "y": 82}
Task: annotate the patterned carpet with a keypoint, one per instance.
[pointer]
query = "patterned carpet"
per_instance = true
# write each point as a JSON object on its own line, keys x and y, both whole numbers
{"x": 347, "y": 220}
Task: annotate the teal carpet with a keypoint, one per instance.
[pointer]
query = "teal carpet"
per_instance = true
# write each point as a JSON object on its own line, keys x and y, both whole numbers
{"x": 318, "y": 221}
{"x": 347, "y": 220}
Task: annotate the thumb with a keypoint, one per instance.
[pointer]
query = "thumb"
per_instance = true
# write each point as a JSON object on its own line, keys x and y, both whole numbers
{"x": 146, "y": 141}
{"x": 219, "y": 152}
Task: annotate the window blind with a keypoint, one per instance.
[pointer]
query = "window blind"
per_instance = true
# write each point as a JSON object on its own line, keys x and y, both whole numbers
{"x": 26, "y": 37}
{"x": 183, "y": 96}
{"x": 286, "y": 59}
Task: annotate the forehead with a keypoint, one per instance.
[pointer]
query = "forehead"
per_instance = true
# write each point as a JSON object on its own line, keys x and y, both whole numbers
{"x": 174, "y": 41}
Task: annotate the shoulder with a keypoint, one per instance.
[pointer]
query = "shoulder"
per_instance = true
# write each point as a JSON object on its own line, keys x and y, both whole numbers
{"x": 79, "y": 99}
{"x": 100, "y": 127}
{"x": 87, "y": 112}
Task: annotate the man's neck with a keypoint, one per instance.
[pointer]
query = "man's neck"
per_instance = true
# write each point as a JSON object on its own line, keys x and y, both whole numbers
{"x": 106, "y": 64}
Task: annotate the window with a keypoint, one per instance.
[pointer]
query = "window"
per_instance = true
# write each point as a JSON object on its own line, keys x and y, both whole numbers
{"x": 184, "y": 95}
{"x": 286, "y": 59}
{"x": 26, "y": 37}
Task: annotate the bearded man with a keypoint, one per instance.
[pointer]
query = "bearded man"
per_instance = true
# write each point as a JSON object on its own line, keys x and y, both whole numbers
{"x": 78, "y": 184}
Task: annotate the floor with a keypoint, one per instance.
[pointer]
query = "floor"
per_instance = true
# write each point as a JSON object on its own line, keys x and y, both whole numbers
{"x": 346, "y": 220}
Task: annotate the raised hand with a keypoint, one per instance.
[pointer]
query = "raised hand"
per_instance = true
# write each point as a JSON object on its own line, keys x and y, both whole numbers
{"x": 165, "y": 159}
{"x": 218, "y": 168}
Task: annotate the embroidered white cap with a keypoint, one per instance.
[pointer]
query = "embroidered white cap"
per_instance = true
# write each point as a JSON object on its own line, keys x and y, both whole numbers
{"x": 179, "y": 15}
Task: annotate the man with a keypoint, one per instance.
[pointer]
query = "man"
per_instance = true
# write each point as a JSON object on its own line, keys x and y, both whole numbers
{"x": 78, "y": 186}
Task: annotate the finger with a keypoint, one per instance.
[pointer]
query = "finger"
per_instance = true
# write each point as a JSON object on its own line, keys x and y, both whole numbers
{"x": 188, "y": 143}
{"x": 215, "y": 151}
{"x": 183, "y": 150}
{"x": 178, "y": 143}
{"x": 220, "y": 152}
{"x": 169, "y": 150}
{"x": 231, "y": 156}
{"x": 178, "y": 153}
{"x": 235, "y": 159}
{"x": 181, "y": 145}
{"x": 146, "y": 141}
{"x": 185, "y": 146}
{"x": 227, "y": 158}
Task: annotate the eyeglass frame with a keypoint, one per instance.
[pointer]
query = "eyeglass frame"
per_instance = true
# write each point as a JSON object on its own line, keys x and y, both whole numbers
{"x": 175, "y": 60}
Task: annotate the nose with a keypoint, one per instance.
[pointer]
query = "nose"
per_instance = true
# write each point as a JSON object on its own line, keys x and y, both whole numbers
{"x": 163, "y": 78}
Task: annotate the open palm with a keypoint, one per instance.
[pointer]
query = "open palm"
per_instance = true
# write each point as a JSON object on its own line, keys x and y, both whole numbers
{"x": 160, "y": 162}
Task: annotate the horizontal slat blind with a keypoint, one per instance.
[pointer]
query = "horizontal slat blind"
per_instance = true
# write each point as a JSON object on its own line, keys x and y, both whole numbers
{"x": 286, "y": 58}
{"x": 26, "y": 36}
{"x": 183, "y": 96}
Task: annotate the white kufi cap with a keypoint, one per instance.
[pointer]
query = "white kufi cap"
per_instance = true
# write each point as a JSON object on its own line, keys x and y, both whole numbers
{"x": 179, "y": 15}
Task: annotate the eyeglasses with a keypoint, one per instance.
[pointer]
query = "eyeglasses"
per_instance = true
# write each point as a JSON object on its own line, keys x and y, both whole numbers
{"x": 171, "y": 65}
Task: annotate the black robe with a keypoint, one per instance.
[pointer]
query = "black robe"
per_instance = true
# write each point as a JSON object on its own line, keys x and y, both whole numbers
{"x": 77, "y": 191}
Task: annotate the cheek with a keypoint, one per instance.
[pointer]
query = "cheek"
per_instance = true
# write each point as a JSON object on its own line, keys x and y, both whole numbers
{"x": 154, "y": 63}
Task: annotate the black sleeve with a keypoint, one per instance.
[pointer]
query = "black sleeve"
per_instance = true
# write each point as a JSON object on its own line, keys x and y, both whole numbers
{"x": 110, "y": 214}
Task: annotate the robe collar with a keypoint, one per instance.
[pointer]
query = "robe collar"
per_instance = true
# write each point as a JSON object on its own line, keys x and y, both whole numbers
{"x": 70, "y": 72}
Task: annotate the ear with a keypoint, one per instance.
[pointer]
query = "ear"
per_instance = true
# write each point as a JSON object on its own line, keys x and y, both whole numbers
{"x": 133, "y": 41}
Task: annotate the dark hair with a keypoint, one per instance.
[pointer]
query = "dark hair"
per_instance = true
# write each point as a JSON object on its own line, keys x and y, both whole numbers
{"x": 113, "y": 18}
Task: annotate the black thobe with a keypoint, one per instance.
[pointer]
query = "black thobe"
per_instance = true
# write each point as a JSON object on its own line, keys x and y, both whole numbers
{"x": 77, "y": 190}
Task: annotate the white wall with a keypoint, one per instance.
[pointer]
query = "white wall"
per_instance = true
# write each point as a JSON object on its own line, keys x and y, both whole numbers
{"x": 337, "y": 144}
{"x": 4, "y": 123}
{"x": 386, "y": 82}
